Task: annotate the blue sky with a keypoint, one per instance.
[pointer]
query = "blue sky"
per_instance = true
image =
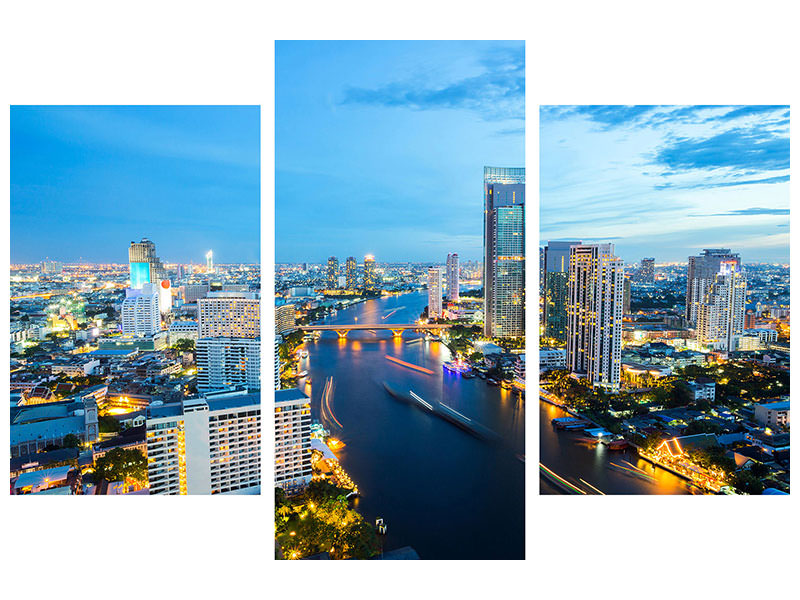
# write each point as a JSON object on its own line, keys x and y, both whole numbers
{"x": 667, "y": 181}
{"x": 86, "y": 181}
{"x": 380, "y": 146}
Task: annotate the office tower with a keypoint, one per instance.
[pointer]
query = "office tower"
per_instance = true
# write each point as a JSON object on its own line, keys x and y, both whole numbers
{"x": 351, "y": 273}
{"x": 49, "y": 267}
{"x": 209, "y": 262}
{"x": 452, "y": 277}
{"x": 720, "y": 317}
{"x": 749, "y": 319}
{"x": 140, "y": 312}
{"x": 504, "y": 247}
{"x": 278, "y": 340}
{"x": 145, "y": 266}
{"x": 332, "y": 273}
{"x": 646, "y": 273}
{"x": 701, "y": 273}
{"x": 229, "y": 314}
{"x": 224, "y": 362}
{"x": 434, "y": 293}
{"x": 555, "y": 269}
{"x": 208, "y": 445}
{"x": 292, "y": 440}
{"x": 370, "y": 276}
{"x": 626, "y": 296}
{"x": 179, "y": 272}
{"x": 594, "y": 314}
{"x": 284, "y": 319}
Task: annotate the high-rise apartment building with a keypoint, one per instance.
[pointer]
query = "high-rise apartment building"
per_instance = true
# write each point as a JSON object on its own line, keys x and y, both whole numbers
{"x": 210, "y": 261}
{"x": 504, "y": 248}
{"x": 332, "y": 273}
{"x": 209, "y": 445}
{"x": 292, "y": 440}
{"x": 351, "y": 273}
{"x": 284, "y": 319}
{"x": 720, "y": 317}
{"x": 223, "y": 362}
{"x": 434, "y": 293}
{"x": 701, "y": 273}
{"x": 50, "y": 267}
{"x": 626, "y": 296}
{"x": 229, "y": 314}
{"x": 145, "y": 266}
{"x": 594, "y": 314}
{"x": 370, "y": 276}
{"x": 646, "y": 273}
{"x": 140, "y": 311}
{"x": 452, "y": 277}
{"x": 555, "y": 269}
{"x": 278, "y": 340}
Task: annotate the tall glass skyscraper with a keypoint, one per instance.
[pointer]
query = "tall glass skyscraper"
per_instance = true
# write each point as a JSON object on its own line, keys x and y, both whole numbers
{"x": 701, "y": 274}
{"x": 504, "y": 251}
{"x": 332, "y": 273}
{"x": 555, "y": 265}
{"x": 370, "y": 276}
{"x": 350, "y": 273}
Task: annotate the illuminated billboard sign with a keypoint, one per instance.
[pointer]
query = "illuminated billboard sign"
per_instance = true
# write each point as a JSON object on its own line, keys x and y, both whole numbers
{"x": 140, "y": 274}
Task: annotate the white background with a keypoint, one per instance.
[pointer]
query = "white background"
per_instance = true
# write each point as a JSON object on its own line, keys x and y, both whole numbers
{"x": 222, "y": 53}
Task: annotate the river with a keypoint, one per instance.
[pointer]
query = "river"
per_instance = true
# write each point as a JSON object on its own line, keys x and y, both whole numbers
{"x": 563, "y": 453}
{"x": 440, "y": 490}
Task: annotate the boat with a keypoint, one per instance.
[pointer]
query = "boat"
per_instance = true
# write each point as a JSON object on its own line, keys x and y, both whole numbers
{"x": 506, "y": 385}
{"x": 491, "y": 381}
{"x": 302, "y": 373}
{"x": 468, "y": 375}
{"x": 304, "y": 354}
{"x": 481, "y": 374}
{"x": 455, "y": 366}
{"x": 619, "y": 444}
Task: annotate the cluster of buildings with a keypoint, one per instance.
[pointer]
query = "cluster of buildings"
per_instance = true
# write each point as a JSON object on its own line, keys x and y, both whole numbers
{"x": 171, "y": 372}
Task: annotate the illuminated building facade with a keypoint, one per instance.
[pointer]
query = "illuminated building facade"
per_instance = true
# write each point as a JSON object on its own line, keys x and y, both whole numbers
{"x": 292, "y": 440}
{"x": 626, "y": 296}
{"x": 284, "y": 319}
{"x": 140, "y": 311}
{"x": 145, "y": 266}
{"x": 720, "y": 317}
{"x": 209, "y": 445}
{"x": 229, "y": 314}
{"x": 332, "y": 273}
{"x": 555, "y": 266}
{"x": 504, "y": 248}
{"x": 434, "y": 293}
{"x": 701, "y": 273}
{"x": 370, "y": 276}
{"x": 594, "y": 314}
{"x": 209, "y": 261}
{"x": 50, "y": 267}
{"x": 646, "y": 273}
{"x": 351, "y": 273}
{"x": 452, "y": 277}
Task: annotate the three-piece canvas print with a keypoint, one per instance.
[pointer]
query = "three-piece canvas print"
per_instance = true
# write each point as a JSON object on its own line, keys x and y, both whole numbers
{"x": 394, "y": 367}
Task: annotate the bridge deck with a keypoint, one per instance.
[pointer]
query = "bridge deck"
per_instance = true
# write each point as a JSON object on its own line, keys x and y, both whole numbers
{"x": 366, "y": 327}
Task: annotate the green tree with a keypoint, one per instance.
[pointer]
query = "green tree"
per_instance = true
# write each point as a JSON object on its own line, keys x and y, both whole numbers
{"x": 184, "y": 345}
{"x": 120, "y": 464}
{"x": 71, "y": 441}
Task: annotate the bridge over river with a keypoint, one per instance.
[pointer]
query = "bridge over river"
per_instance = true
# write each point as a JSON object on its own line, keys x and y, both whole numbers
{"x": 395, "y": 328}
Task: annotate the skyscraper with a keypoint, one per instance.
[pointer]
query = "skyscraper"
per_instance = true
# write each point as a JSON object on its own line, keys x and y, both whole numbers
{"x": 720, "y": 317}
{"x": 351, "y": 273}
{"x": 626, "y": 296}
{"x": 370, "y": 276}
{"x": 145, "y": 266}
{"x": 701, "y": 273}
{"x": 646, "y": 273}
{"x": 229, "y": 330}
{"x": 434, "y": 293}
{"x": 594, "y": 314}
{"x": 332, "y": 273}
{"x": 209, "y": 261}
{"x": 284, "y": 319}
{"x": 452, "y": 277}
{"x": 555, "y": 265}
{"x": 292, "y": 440}
{"x": 140, "y": 312}
{"x": 504, "y": 251}
{"x": 208, "y": 445}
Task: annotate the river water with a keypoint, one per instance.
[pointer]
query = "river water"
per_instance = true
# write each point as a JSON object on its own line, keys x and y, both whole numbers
{"x": 440, "y": 490}
{"x": 563, "y": 452}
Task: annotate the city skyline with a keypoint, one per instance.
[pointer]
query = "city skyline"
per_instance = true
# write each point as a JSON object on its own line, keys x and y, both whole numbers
{"x": 187, "y": 177}
{"x": 715, "y": 176}
{"x": 406, "y": 127}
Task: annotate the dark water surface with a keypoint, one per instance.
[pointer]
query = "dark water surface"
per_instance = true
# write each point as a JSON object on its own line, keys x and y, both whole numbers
{"x": 562, "y": 452}
{"x": 441, "y": 490}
